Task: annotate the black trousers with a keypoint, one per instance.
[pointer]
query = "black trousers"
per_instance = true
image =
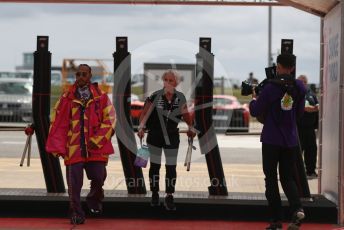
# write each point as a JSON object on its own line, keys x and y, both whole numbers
{"x": 309, "y": 148}
{"x": 284, "y": 159}
{"x": 157, "y": 143}
{"x": 96, "y": 172}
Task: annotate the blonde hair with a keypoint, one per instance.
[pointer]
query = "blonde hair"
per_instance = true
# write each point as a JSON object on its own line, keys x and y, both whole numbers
{"x": 172, "y": 72}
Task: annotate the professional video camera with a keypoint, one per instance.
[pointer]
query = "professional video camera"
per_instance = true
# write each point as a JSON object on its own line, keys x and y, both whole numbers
{"x": 247, "y": 87}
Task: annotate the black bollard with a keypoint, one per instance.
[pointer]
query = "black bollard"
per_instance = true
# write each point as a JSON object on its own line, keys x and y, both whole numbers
{"x": 299, "y": 168}
{"x": 203, "y": 116}
{"x": 41, "y": 111}
{"x": 124, "y": 131}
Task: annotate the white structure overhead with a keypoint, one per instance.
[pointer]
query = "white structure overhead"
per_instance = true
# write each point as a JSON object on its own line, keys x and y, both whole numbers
{"x": 317, "y": 7}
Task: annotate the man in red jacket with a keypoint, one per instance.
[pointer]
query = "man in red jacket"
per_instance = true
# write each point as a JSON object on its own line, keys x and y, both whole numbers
{"x": 81, "y": 128}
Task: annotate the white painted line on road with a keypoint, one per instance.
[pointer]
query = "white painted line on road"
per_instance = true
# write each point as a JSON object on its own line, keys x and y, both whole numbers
{"x": 13, "y": 142}
{"x": 250, "y": 142}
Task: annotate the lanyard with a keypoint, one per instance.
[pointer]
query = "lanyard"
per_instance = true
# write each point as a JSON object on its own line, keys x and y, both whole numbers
{"x": 169, "y": 107}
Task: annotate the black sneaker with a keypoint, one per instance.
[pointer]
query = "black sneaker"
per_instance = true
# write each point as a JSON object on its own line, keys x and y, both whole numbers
{"x": 274, "y": 226}
{"x": 77, "y": 220}
{"x": 296, "y": 219}
{"x": 169, "y": 203}
{"x": 95, "y": 212}
{"x": 155, "y": 199}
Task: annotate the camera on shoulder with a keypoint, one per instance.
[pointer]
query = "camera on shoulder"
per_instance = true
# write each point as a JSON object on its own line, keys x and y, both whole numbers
{"x": 247, "y": 87}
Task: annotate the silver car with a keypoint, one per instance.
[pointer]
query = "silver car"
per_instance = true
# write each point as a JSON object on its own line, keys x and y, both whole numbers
{"x": 15, "y": 100}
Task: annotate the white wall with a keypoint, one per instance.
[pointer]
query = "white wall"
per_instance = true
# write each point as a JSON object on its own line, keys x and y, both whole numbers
{"x": 332, "y": 106}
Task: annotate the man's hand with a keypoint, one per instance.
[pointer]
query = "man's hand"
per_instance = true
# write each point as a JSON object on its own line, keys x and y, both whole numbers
{"x": 57, "y": 155}
{"x": 191, "y": 132}
{"x": 316, "y": 108}
{"x": 254, "y": 95}
{"x": 311, "y": 108}
{"x": 141, "y": 133}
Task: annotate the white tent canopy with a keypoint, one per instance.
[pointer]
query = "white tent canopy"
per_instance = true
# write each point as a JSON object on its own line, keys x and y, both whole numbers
{"x": 317, "y": 7}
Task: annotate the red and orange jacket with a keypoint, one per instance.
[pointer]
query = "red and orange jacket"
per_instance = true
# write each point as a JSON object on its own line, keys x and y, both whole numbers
{"x": 64, "y": 137}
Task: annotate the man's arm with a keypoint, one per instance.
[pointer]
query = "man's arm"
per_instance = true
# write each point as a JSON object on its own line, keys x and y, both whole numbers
{"x": 147, "y": 110}
{"x": 313, "y": 108}
{"x": 189, "y": 119}
{"x": 107, "y": 125}
{"x": 59, "y": 127}
{"x": 258, "y": 104}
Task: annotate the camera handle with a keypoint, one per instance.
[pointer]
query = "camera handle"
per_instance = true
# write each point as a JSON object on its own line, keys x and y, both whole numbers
{"x": 29, "y": 131}
{"x": 191, "y": 147}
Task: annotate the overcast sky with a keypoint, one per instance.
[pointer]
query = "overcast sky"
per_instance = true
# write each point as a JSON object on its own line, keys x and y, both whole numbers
{"x": 161, "y": 34}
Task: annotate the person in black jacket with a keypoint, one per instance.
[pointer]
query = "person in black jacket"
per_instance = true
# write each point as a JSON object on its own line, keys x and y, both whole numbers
{"x": 306, "y": 127}
{"x": 162, "y": 112}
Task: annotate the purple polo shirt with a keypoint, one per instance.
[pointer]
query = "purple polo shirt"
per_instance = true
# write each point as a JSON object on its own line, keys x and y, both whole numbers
{"x": 279, "y": 125}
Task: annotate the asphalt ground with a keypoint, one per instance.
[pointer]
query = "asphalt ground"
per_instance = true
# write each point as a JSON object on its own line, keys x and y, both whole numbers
{"x": 240, "y": 154}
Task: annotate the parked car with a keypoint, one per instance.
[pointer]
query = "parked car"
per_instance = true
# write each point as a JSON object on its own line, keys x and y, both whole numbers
{"x": 56, "y": 77}
{"x": 136, "y": 107}
{"x": 15, "y": 100}
{"x": 229, "y": 115}
{"x": 16, "y": 74}
{"x": 135, "y": 112}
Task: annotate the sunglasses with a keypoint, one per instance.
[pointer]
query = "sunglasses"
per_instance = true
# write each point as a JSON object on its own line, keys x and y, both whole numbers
{"x": 82, "y": 74}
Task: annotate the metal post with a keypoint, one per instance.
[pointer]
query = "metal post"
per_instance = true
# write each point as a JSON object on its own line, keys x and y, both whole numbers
{"x": 321, "y": 88}
{"x": 269, "y": 37}
{"x": 41, "y": 111}
{"x": 203, "y": 115}
{"x": 341, "y": 119}
{"x": 124, "y": 131}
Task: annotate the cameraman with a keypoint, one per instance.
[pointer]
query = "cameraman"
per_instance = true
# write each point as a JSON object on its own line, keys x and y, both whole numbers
{"x": 280, "y": 102}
